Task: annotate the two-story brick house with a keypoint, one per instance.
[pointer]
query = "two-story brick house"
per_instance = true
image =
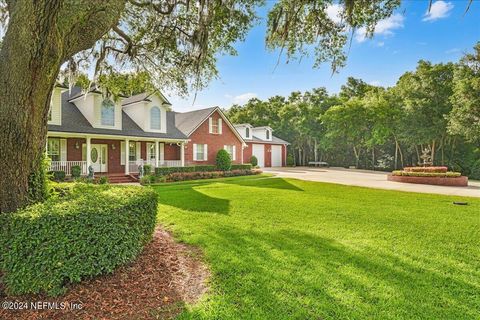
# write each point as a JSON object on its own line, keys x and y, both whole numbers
{"x": 115, "y": 137}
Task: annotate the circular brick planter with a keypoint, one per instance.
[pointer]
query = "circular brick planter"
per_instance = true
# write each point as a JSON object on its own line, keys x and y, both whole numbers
{"x": 438, "y": 181}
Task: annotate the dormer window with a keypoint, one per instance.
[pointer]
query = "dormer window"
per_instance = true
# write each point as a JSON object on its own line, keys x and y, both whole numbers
{"x": 247, "y": 132}
{"x": 155, "y": 117}
{"x": 215, "y": 125}
{"x": 108, "y": 113}
{"x": 267, "y": 134}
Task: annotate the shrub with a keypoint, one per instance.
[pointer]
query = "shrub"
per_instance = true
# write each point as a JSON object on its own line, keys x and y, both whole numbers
{"x": 425, "y": 169}
{"x": 57, "y": 175}
{"x": 90, "y": 231}
{"x": 254, "y": 161}
{"x": 103, "y": 180}
{"x": 247, "y": 166}
{"x": 223, "y": 160}
{"x": 147, "y": 170}
{"x": 448, "y": 174}
{"x": 76, "y": 172}
{"x": 290, "y": 161}
{"x": 162, "y": 171}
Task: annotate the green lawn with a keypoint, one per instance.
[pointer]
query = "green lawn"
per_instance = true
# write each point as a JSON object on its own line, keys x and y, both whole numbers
{"x": 290, "y": 249}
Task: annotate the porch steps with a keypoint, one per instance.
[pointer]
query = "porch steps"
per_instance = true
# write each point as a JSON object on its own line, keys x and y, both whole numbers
{"x": 120, "y": 178}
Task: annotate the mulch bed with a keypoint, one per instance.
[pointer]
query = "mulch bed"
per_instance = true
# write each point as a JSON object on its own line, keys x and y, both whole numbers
{"x": 164, "y": 277}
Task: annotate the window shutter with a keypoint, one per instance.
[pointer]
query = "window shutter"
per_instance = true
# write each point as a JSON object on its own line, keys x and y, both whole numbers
{"x": 220, "y": 125}
{"x": 194, "y": 152}
{"x": 122, "y": 153}
{"x": 210, "y": 125}
{"x": 138, "y": 150}
{"x": 205, "y": 152}
{"x": 63, "y": 149}
{"x": 234, "y": 153}
{"x": 84, "y": 152}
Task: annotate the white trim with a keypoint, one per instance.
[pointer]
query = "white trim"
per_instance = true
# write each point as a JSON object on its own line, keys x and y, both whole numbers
{"x": 122, "y": 153}
{"x": 194, "y": 152}
{"x": 205, "y": 152}
{"x": 63, "y": 149}
{"x": 210, "y": 125}
{"x": 109, "y": 136}
{"x": 225, "y": 119}
{"x": 234, "y": 151}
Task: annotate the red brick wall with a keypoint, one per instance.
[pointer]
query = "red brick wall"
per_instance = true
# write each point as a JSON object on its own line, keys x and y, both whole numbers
{"x": 215, "y": 142}
{"x": 171, "y": 152}
{"x": 247, "y": 154}
{"x": 74, "y": 154}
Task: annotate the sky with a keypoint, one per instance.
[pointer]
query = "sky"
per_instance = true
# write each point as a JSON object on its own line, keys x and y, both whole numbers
{"x": 411, "y": 34}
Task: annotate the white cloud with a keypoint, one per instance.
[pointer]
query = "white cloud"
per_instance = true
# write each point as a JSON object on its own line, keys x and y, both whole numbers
{"x": 375, "y": 83}
{"x": 440, "y": 9}
{"x": 453, "y": 50}
{"x": 243, "y": 98}
{"x": 384, "y": 27}
{"x": 333, "y": 12}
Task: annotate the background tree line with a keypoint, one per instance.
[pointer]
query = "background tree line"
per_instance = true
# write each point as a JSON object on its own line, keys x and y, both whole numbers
{"x": 437, "y": 107}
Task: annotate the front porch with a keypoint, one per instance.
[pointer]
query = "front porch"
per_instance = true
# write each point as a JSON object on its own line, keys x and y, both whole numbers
{"x": 112, "y": 156}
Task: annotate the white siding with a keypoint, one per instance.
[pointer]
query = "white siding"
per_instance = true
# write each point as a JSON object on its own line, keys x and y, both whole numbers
{"x": 56, "y": 105}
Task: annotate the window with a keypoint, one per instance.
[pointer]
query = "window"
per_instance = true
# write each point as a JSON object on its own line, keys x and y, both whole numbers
{"x": 53, "y": 149}
{"x": 247, "y": 132}
{"x": 200, "y": 152}
{"x": 108, "y": 113}
{"x": 132, "y": 151}
{"x": 215, "y": 125}
{"x": 267, "y": 134}
{"x": 231, "y": 151}
{"x": 155, "y": 115}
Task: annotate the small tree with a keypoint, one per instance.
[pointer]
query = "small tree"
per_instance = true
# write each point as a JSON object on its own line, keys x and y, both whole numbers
{"x": 290, "y": 160}
{"x": 223, "y": 160}
{"x": 254, "y": 161}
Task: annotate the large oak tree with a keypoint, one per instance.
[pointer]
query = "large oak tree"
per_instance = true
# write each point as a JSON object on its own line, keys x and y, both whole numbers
{"x": 176, "y": 41}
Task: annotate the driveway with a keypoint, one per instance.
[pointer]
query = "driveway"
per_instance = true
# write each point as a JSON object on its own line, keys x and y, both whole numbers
{"x": 370, "y": 179}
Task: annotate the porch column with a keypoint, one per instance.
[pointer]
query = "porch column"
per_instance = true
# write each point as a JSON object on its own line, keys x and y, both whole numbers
{"x": 157, "y": 153}
{"x": 182, "y": 153}
{"x": 127, "y": 158}
{"x": 89, "y": 150}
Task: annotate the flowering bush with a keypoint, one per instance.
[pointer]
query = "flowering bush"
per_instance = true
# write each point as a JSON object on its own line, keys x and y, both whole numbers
{"x": 184, "y": 176}
{"x": 448, "y": 174}
{"x": 426, "y": 169}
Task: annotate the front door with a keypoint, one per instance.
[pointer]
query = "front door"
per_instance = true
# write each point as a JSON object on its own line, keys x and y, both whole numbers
{"x": 99, "y": 157}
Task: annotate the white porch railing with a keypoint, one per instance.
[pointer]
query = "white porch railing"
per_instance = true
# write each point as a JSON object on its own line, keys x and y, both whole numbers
{"x": 133, "y": 165}
{"x": 67, "y": 166}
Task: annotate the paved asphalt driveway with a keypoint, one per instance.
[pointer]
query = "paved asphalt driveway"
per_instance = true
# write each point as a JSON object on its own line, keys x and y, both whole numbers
{"x": 370, "y": 179}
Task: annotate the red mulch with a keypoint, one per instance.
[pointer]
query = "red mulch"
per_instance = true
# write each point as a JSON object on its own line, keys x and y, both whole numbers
{"x": 157, "y": 285}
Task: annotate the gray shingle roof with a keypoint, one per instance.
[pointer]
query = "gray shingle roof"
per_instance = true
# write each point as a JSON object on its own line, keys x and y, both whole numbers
{"x": 74, "y": 121}
{"x": 136, "y": 98}
{"x": 188, "y": 121}
{"x": 275, "y": 140}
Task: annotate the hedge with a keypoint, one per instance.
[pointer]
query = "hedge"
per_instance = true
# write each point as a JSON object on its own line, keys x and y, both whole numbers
{"x": 426, "y": 169}
{"x": 57, "y": 175}
{"x": 162, "y": 171}
{"x": 90, "y": 230}
{"x": 427, "y": 174}
{"x": 185, "y": 176}
{"x": 246, "y": 166}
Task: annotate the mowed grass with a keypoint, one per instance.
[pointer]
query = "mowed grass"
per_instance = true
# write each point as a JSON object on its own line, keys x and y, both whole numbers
{"x": 290, "y": 249}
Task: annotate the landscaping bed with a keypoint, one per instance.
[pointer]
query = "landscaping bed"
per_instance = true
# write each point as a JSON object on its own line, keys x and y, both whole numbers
{"x": 157, "y": 285}
{"x": 429, "y": 175}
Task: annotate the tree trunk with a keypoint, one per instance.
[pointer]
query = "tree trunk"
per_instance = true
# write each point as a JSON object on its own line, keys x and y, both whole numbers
{"x": 373, "y": 158}
{"x": 396, "y": 155}
{"x": 315, "y": 150}
{"x": 35, "y": 45}
{"x": 433, "y": 152}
